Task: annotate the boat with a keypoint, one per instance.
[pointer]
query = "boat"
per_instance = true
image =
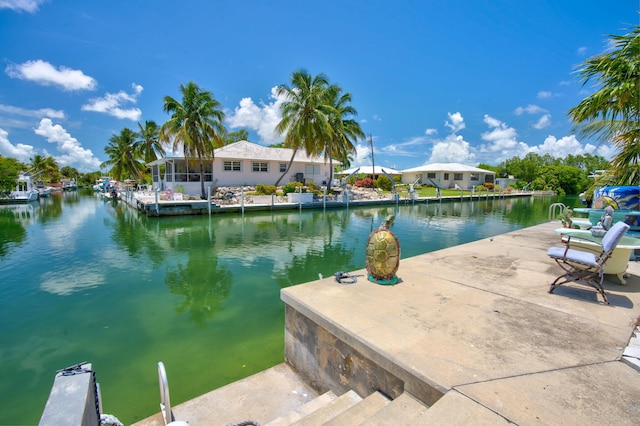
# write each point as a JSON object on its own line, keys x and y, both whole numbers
{"x": 25, "y": 191}
{"x": 102, "y": 183}
{"x": 43, "y": 189}
{"x": 69, "y": 184}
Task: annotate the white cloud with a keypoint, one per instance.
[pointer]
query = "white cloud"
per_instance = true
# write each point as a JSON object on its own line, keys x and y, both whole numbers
{"x": 530, "y": 109}
{"x": 363, "y": 155}
{"x": 544, "y": 95}
{"x": 19, "y": 151}
{"x": 502, "y": 141}
{"x": 46, "y": 74}
{"x": 431, "y": 132}
{"x": 30, "y": 6}
{"x": 73, "y": 154}
{"x": 409, "y": 148}
{"x": 543, "y": 122}
{"x": 582, "y": 51}
{"x": 560, "y": 148}
{"x": 452, "y": 149}
{"x": 111, "y": 104}
{"x": 38, "y": 113}
{"x": 262, "y": 118}
{"x": 457, "y": 122}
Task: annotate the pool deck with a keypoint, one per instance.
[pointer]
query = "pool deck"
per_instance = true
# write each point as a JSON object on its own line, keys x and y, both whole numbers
{"x": 472, "y": 332}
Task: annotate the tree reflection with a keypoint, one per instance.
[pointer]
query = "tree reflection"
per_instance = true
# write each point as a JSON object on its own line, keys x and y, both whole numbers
{"x": 204, "y": 284}
{"x": 133, "y": 233}
{"x": 11, "y": 228}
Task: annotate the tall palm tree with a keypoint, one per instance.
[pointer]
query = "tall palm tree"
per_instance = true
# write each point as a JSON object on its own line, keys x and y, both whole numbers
{"x": 613, "y": 112}
{"x": 196, "y": 125}
{"x": 122, "y": 151}
{"x": 149, "y": 145}
{"x": 305, "y": 114}
{"x": 345, "y": 131}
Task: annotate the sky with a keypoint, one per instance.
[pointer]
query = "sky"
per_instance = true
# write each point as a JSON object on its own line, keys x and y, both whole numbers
{"x": 470, "y": 82}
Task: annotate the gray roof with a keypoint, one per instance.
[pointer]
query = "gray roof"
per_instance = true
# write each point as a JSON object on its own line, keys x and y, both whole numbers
{"x": 244, "y": 150}
{"x": 447, "y": 167}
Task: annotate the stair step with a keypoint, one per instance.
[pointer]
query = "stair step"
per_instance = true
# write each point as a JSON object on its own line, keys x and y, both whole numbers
{"x": 364, "y": 409}
{"x": 401, "y": 411}
{"x": 304, "y": 410}
{"x": 329, "y": 411}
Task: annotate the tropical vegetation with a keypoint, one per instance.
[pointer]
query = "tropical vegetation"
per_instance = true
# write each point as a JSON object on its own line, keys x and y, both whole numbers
{"x": 195, "y": 126}
{"x": 316, "y": 117}
{"x": 612, "y": 113}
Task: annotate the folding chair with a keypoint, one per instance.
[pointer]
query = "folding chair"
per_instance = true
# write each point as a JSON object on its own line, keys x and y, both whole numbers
{"x": 587, "y": 267}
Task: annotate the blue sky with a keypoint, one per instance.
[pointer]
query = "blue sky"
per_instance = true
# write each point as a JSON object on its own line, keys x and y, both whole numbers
{"x": 432, "y": 81}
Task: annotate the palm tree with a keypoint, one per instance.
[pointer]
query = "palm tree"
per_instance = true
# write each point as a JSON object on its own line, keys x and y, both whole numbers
{"x": 305, "y": 114}
{"x": 45, "y": 167}
{"x": 613, "y": 112}
{"x": 345, "y": 130}
{"x": 196, "y": 124}
{"x": 122, "y": 151}
{"x": 149, "y": 146}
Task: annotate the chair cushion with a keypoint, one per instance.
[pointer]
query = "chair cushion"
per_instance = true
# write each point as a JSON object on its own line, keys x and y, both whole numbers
{"x": 614, "y": 235}
{"x": 578, "y": 256}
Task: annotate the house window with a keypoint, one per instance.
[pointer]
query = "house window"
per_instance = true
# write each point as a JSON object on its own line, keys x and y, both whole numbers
{"x": 457, "y": 176}
{"x": 474, "y": 176}
{"x": 231, "y": 166}
{"x": 431, "y": 175}
{"x": 312, "y": 169}
{"x": 446, "y": 176}
{"x": 260, "y": 167}
{"x": 283, "y": 167}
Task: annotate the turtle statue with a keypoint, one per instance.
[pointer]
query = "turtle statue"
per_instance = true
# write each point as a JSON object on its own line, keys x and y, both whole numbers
{"x": 383, "y": 254}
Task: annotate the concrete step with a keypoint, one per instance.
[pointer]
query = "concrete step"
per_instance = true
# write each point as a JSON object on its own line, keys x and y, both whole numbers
{"x": 262, "y": 397}
{"x": 404, "y": 410}
{"x": 360, "y": 411}
{"x": 304, "y": 410}
{"x": 323, "y": 415}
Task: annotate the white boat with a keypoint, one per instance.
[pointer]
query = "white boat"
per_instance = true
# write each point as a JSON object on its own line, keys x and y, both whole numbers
{"x": 25, "y": 191}
{"x": 69, "y": 184}
{"x": 43, "y": 189}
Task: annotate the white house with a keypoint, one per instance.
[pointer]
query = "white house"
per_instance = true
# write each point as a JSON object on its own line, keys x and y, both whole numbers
{"x": 448, "y": 175}
{"x": 237, "y": 164}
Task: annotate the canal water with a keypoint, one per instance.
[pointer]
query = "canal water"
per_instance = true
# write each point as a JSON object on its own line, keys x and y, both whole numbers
{"x": 83, "y": 279}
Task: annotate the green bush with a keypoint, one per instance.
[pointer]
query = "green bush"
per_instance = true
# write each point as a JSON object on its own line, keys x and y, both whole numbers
{"x": 263, "y": 189}
{"x": 383, "y": 183}
{"x": 293, "y": 187}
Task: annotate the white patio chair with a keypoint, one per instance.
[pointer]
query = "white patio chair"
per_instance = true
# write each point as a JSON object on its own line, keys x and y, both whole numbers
{"x": 583, "y": 266}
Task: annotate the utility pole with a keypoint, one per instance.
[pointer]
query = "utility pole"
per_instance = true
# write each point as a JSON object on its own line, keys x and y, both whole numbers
{"x": 373, "y": 163}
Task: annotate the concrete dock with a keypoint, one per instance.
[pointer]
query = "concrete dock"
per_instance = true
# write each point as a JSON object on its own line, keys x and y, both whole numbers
{"x": 469, "y": 336}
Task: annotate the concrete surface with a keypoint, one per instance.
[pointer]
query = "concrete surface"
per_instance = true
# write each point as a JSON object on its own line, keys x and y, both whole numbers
{"x": 477, "y": 319}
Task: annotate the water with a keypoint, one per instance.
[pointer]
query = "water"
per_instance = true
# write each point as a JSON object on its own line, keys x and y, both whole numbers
{"x": 82, "y": 279}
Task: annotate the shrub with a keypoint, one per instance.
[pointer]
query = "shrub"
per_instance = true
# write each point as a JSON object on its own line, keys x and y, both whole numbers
{"x": 313, "y": 187}
{"x": 263, "y": 189}
{"x": 489, "y": 185}
{"x": 365, "y": 183}
{"x": 293, "y": 187}
{"x": 383, "y": 183}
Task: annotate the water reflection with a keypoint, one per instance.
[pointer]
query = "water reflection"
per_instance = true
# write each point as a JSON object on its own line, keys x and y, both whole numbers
{"x": 92, "y": 280}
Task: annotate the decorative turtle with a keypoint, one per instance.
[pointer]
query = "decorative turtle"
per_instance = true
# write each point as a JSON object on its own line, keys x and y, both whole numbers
{"x": 383, "y": 254}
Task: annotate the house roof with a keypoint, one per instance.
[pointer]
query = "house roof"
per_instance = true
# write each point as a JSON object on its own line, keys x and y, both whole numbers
{"x": 447, "y": 167}
{"x": 368, "y": 170}
{"x": 245, "y": 150}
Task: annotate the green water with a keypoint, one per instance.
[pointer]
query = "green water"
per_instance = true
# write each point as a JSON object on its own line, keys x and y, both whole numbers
{"x": 82, "y": 279}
